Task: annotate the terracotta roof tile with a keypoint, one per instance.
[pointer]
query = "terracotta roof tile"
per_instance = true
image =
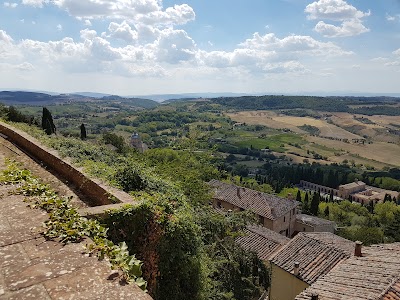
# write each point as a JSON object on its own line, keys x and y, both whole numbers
{"x": 373, "y": 276}
{"x": 263, "y": 241}
{"x": 312, "y": 220}
{"x": 393, "y": 292}
{"x": 316, "y": 253}
{"x": 351, "y": 185}
{"x": 266, "y": 205}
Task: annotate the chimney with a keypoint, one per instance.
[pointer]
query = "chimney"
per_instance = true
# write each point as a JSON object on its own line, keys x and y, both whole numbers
{"x": 296, "y": 269}
{"x": 357, "y": 249}
{"x": 314, "y": 296}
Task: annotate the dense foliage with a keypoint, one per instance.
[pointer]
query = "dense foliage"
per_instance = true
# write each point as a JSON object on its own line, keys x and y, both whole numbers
{"x": 187, "y": 249}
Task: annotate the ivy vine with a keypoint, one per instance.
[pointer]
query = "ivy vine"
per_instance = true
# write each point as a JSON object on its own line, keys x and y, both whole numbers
{"x": 66, "y": 225}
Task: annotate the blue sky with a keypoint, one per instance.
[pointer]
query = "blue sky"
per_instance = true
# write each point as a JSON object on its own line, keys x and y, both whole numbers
{"x": 134, "y": 47}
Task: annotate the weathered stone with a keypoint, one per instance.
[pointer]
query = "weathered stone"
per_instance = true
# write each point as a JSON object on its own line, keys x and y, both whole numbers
{"x": 11, "y": 255}
{"x": 40, "y": 247}
{"x": 13, "y": 236}
{"x": 45, "y": 268}
{"x": 29, "y": 293}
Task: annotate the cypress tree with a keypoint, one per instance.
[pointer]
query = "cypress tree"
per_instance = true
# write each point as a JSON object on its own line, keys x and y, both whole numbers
{"x": 305, "y": 204}
{"x": 47, "y": 122}
{"x": 83, "y": 132}
{"x": 314, "y": 204}
{"x": 326, "y": 211}
{"x": 331, "y": 196}
{"x": 298, "y": 196}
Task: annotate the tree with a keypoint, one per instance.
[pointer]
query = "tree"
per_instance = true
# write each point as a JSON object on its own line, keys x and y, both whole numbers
{"x": 387, "y": 198}
{"x": 326, "y": 211}
{"x": 115, "y": 140}
{"x": 392, "y": 230}
{"x": 83, "y": 132}
{"x": 298, "y": 196}
{"x": 314, "y": 204}
{"x": 305, "y": 204}
{"x": 47, "y": 122}
{"x": 331, "y": 196}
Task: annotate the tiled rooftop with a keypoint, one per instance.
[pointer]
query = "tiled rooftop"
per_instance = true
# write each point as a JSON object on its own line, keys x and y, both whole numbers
{"x": 375, "y": 275}
{"x": 263, "y": 241}
{"x": 352, "y": 185}
{"x": 317, "y": 254}
{"x": 266, "y": 205}
{"x": 393, "y": 292}
{"x": 313, "y": 221}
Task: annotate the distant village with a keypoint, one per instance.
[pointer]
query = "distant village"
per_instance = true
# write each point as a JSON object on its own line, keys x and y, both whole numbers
{"x": 307, "y": 260}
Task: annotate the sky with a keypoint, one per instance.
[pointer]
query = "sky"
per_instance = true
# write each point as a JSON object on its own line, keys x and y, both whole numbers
{"x": 138, "y": 47}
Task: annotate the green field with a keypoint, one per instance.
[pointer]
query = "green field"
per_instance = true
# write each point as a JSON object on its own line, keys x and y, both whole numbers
{"x": 275, "y": 142}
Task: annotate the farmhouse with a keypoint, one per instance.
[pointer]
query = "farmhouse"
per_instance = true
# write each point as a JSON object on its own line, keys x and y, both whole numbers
{"x": 136, "y": 142}
{"x": 302, "y": 261}
{"x": 354, "y": 191}
{"x": 373, "y": 273}
{"x": 275, "y": 213}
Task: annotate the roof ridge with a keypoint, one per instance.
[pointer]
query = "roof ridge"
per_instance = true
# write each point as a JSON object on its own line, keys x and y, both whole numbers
{"x": 390, "y": 285}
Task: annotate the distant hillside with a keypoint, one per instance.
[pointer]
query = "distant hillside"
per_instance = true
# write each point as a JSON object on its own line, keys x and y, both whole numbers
{"x": 34, "y": 98}
{"x": 138, "y": 102}
{"x": 376, "y": 105}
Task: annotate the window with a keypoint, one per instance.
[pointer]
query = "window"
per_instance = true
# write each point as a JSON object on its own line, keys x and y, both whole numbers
{"x": 219, "y": 205}
{"x": 287, "y": 232}
{"x": 261, "y": 219}
{"x": 304, "y": 229}
{"x": 294, "y": 211}
{"x": 284, "y": 219}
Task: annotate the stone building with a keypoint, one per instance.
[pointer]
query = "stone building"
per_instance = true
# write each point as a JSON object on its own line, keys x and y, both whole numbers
{"x": 372, "y": 273}
{"x": 346, "y": 190}
{"x": 275, "y": 213}
{"x": 305, "y": 259}
{"x": 354, "y": 191}
{"x": 136, "y": 142}
{"x": 307, "y": 223}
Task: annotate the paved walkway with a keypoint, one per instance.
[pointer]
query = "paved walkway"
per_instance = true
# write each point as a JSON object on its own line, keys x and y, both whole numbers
{"x": 33, "y": 268}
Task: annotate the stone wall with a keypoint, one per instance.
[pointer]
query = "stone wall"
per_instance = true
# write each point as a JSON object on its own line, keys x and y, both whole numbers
{"x": 98, "y": 193}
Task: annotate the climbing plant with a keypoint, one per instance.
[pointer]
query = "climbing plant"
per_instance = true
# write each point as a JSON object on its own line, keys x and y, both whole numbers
{"x": 66, "y": 225}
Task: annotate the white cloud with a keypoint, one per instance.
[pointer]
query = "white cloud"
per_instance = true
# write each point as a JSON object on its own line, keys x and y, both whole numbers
{"x": 270, "y": 54}
{"x": 87, "y": 34}
{"x": 88, "y": 23}
{"x": 35, "y": 3}
{"x": 145, "y": 11}
{"x": 122, "y": 31}
{"x": 174, "y": 46}
{"x": 397, "y": 52}
{"x": 347, "y": 28}
{"x": 392, "y": 18}
{"x": 379, "y": 59}
{"x": 336, "y": 10}
{"x": 59, "y": 27}
{"x": 156, "y": 51}
{"x": 296, "y": 44}
{"x": 339, "y": 11}
{"x": 10, "y": 4}
{"x": 25, "y": 66}
{"x": 5, "y": 38}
